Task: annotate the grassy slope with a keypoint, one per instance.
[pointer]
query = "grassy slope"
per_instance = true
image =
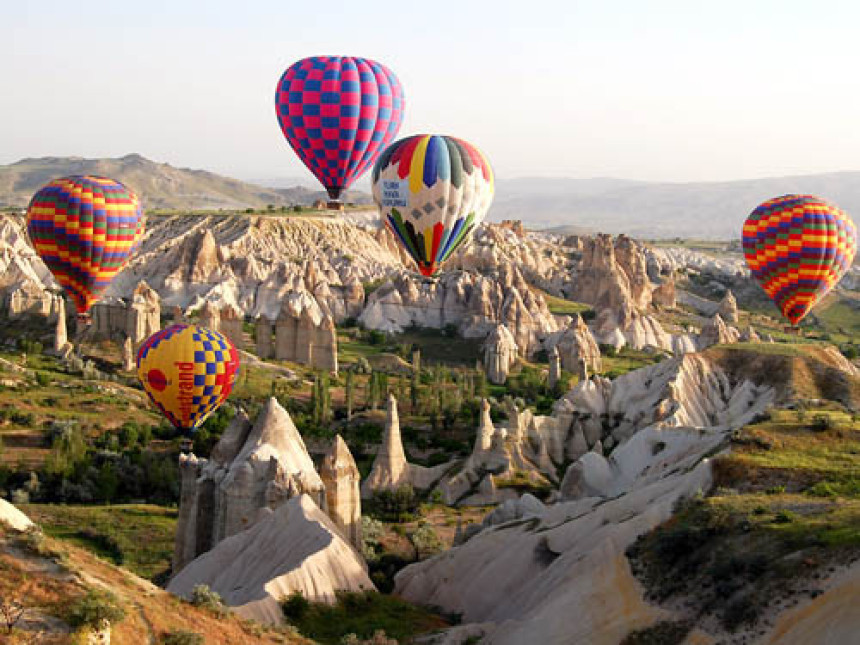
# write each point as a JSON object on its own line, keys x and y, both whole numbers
{"x": 40, "y": 580}
{"x": 137, "y": 536}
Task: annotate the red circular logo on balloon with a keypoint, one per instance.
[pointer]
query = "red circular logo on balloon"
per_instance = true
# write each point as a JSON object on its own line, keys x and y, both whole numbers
{"x": 157, "y": 380}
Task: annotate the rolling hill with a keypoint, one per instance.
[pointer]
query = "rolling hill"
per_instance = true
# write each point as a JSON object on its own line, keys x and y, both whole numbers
{"x": 704, "y": 210}
{"x": 159, "y": 184}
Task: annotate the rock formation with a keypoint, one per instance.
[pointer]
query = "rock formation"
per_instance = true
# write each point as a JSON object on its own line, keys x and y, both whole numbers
{"x": 716, "y": 332}
{"x": 231, "y": 325}
{"x": 294, "y": 547}
{"x": 554, "y": 366}
{"x": 29, "y": 299}
{"x": 13, "y": 518}
{"x": 664, "y": 294}
{"x": 250, "y": 469}
{"x": 210, "y": 316}
{"x": 390, "y": 470}
{"x": 263, "y": 335}
{"x": 475, "y": 303}
{"x": 128, "y": 358}
{"x": 303, "y": 333}
{"x": 749, "y": 335}
{"x": 517, "y": 581}
{"x": 137, "y": 319}
{"x": 728, "y": 309}
{"x": 342, "y": 490}
{"x": 500, "y": 354}
{"x": 61, "y": 337}
{"x": 577, "y": 343}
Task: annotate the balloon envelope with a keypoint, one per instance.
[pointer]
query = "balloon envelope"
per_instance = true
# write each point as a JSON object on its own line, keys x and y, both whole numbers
{"x": 798, "y": 247}
{"x": 188, "y": 372}
{"x": 85, "y": 229}
{"x": 432, "y": 191}
{"x": 338, "y": 113}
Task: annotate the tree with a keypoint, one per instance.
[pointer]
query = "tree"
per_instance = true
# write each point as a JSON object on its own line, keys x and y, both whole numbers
{"x": 349, "y": 395}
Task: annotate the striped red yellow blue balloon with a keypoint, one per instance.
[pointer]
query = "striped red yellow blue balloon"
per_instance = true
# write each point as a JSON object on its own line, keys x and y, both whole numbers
{"x": 432, "y": 192}
{"x": 798, "y": 247}
{"x": 188, "y": 371}
{"x": 85, "y": 229}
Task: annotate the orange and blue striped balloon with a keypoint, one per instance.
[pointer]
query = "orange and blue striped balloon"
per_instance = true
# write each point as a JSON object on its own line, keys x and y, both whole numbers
{"x": 188, "y": 372}
{"x": 85, "y": 229}
{"x": 798, "y": 247}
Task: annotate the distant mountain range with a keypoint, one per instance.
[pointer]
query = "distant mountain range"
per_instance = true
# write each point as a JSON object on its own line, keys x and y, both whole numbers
{"x": 160, "y": 185}
{"x": 708, "y": 210}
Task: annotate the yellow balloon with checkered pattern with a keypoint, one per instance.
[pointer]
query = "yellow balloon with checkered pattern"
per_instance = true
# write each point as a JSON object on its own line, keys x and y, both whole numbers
{"x": 188, "y": 371}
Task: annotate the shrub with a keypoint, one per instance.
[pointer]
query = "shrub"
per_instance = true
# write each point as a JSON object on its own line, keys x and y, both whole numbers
{"x": 821, "y": 423}
{"x": 394, "y": 506}
{"x": 608, "y": 350}
{"x": 426, "y": 541}
{"x": 96, "y": 606}
{"x": 295, "y": 606}
{"x": 202, "y": 596}
{"x": 182, "y": 637}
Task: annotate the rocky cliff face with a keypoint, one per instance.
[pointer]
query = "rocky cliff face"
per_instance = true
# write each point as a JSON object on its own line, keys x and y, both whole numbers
{"x": 253, "y": 467}
{"x": 528, "y": 569}
{"x": 473, "y": 302}
{"x": 295, "y": 547}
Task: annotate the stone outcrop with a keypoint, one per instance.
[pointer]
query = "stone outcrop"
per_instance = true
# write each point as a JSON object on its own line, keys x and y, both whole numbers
{"x": 263, "y": 335}
{"x": 342, "y": 483}
{"x": 474, "y": 303}
{"x": 554, "y": 367}
{"x": 252, "y": 468}
{"x": 13, "y": 518}
{"x": 210, "y": 317}
{"x": 294, "y": 547}
{"x": 500, "y": 354}
{"x": 577, "y": 344}
{"x": 138, "y": 318}
{"x": 61, "y": 336}
{"x": 665, "y": 294}
{"x": 562, "y": 576}
{"x": 728, "y": 309}
{"x": 128, "y": 358}
{"x": 749, "y": 335}
{"x": 390, "y": 469}
{"x": 602, "y": 282}
{"x": 231, "y": 322}
{"x": 29, "y": 299}
{"x": 305, "y": 334}
{"x": 717, "y": 332}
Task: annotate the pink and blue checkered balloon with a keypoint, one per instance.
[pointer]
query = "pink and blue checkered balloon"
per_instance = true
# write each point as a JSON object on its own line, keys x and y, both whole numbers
{"x": 339, "y": 113}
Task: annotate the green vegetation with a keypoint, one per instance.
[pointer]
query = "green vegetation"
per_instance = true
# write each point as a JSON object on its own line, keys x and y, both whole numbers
{"x": 786, "y": 504}
{"x": 361, "y": 614}
{"x": 627, "y": 359}
{"x": 562, "y": 307}
{"x": 96, "y": 606}
{"x": 138, "y": 537}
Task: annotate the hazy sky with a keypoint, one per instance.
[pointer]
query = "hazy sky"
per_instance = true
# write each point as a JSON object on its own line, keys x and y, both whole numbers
{"x": 662, "y": 90}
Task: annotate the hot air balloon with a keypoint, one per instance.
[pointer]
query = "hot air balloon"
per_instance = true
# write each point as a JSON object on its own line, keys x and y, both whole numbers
{"x": 188, "y": 372}
{"x": 432, "y": 191}
{"x": 85, "y": 228}
{"x": 338, "y": 113}
{"x": 798, "y": 247}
